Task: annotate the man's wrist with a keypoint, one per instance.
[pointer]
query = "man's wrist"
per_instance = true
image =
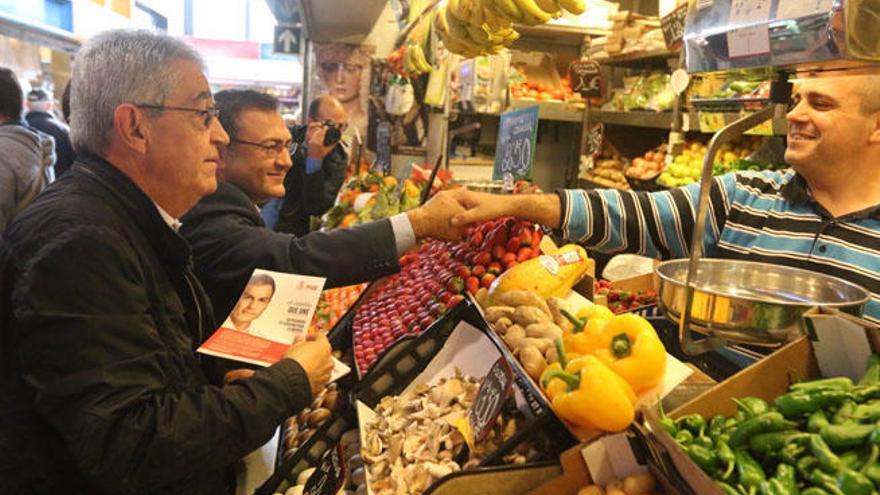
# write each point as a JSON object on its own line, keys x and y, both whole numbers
{"x": 416, "y": 220}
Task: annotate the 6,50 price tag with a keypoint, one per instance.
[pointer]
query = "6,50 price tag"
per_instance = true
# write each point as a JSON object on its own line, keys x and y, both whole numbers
{"x": 515, "y": 151}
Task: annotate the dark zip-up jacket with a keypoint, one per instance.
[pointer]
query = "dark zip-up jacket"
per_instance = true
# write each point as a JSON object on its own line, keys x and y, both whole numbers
{"x": 101, "y": 390}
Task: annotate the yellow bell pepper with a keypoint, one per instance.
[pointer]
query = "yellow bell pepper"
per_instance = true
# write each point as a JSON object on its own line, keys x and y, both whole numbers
{"x": 589, "y": 394}
{"x": 629, "y": 346}
{"x": 585, "y": 327}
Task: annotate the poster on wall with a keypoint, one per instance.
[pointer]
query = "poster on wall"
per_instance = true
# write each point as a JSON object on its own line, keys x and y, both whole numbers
{"x": 343, "y": 70}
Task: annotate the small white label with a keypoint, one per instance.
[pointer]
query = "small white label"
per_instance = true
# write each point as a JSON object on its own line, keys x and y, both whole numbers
{"x": 568, "y": 258}
{"x": 610, "y": 457}
{"x": 746, "y": 42}
{"x": 792, "y": 9}
{"x": 550, "y": 264}
{"x": 749, "y": 11}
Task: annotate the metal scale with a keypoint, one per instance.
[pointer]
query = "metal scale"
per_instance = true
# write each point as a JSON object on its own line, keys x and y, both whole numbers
{"x": 746, "y": 302}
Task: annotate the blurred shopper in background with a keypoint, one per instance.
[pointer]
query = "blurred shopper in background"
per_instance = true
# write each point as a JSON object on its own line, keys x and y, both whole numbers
{"x": 26, "y": 154}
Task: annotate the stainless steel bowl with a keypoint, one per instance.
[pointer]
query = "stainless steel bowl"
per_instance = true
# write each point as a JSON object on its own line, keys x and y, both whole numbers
{"x": 751, "y": 302}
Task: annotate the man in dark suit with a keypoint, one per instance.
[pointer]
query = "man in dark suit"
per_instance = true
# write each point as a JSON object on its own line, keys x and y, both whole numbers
{"x": 319, "y": 163}
{"x": 230, "y": 240}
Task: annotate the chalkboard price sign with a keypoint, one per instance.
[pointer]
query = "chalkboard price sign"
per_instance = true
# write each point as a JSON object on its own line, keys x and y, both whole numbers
{"x": 672, "y": 25}
{"x": 493, "y": 392}
{"x": 586, "y": 78}
{"x": 330, "y": 474}
{"x": 515, "y": 151}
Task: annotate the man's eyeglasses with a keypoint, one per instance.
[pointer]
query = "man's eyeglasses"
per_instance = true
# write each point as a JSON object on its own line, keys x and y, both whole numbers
{"x": 342, "y": 126}
{"x": 207, "y": 114}
{"x": 333, "y": 67}
{"x": 269, "y": 150}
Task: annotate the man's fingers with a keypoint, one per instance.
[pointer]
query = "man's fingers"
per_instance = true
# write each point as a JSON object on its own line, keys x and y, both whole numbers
{"x": 470, "y": 216}
{"x": 238, "y": 374}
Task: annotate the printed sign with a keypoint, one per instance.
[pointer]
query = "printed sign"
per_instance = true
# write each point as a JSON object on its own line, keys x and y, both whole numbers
{"x": 287, "y": 40}
{"x": 673, "y": 26}
{"x": 586, "y": 77}
{"x": 515, "y": 151}
{"x": 493, "y": 392}
{"x": 329, "y": 477}
{"x": 746, "y": 42}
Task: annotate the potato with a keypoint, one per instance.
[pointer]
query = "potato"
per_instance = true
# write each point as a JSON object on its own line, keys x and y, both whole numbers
{"x": 502, "y": 324}
{"x": 541, "y": 344}
{"x": 551, "y": 355}
{"x": 482, "y": 296}
{"x": 532, "y": 361}
{"x": 639, "y": 484}
{"x": 555, "y": 305}
{"x": 591, "y": 490}
{"x": 614, "y": 491}
{"x": 496, "y": 312}
{"x": 544, "y": 330}
{"x": 525, "y": 298}
{"x": 514, "y": 334}
{"x": 526, "y": 315}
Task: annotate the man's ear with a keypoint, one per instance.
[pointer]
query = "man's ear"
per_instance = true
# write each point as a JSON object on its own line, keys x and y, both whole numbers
{"x": 130, "y": 126}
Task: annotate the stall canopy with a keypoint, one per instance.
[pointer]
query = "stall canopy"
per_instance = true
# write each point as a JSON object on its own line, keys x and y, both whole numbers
{"x": 330, "y": 20}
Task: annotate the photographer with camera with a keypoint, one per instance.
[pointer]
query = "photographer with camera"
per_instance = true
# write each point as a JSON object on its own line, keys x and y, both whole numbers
{"x": 319, "y": 164}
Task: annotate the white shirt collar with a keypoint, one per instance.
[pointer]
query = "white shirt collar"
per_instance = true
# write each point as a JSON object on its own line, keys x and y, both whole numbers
{"x": 171, "y": 221}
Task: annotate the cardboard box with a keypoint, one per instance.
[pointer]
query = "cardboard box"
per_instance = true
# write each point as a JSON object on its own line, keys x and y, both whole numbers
{"x": 836, "y": 345}
{"x": 539, "y": 67}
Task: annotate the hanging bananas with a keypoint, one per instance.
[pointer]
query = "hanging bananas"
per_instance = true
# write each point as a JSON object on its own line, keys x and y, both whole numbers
{"x": 477, "y": 27}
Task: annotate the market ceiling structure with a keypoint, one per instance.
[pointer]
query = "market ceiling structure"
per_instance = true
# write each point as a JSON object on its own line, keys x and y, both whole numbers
{"x": 330, "y": 20}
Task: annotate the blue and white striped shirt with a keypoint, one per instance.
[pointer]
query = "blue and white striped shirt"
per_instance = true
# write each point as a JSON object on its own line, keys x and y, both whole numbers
{"x": 765, "y": 216}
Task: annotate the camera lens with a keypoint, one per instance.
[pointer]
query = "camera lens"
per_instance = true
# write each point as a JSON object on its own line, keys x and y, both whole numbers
{"x": 332, "y": 136}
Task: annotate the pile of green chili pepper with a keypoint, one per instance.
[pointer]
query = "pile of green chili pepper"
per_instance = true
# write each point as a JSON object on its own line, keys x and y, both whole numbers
{"x": 820, "y": 438}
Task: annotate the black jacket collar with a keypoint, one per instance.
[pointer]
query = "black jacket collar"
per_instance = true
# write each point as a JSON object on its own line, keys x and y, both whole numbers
{"x": 139, "y": 208}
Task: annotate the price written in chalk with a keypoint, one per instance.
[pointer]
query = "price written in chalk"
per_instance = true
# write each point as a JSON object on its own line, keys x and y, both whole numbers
{"x": 586, "y": 78}
{"x": 515, "y": 151}
{"x": 493, "y": 392}
{"x": 672, "y": 26}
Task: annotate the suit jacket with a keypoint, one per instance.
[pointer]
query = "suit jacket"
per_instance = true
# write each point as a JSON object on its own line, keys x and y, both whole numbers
{"x": 230, "y": 240}
{"x": 310, "y": 195}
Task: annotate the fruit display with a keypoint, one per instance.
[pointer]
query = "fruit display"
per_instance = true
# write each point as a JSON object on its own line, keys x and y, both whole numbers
{"x": 333, "y": 305}
{"x": 537, "y": 91}
{"x": 637, "y": 484}
{"x": 590, "y": 364}
{"x": 477, "y": 27}
{"x": 687, "y": 166}
{"x": 415, "y": 438}
{"x": 621, "y": 301}
{"x": 384, "y": 196}
{"x": 649, "y": 165}
{"x": 646, "y": 91}
{"x": 821, "y": 437}
{"x": 608, "y": 172}
{"x": 434, "y": 278}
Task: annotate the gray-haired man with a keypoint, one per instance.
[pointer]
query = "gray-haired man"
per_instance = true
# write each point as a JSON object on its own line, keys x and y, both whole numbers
{"x": 100, "y": 389}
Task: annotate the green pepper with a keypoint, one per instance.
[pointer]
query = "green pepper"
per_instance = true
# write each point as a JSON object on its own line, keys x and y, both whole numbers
{"x": 872, "y": 471}
{"x": 850, "y": 459}
{"x": 785, "y": 480}
{"x": 871, "y": 459}
{"x": 844, "y": 413}
{"x": 704, "y": 457}
{"x": 815, "y": 490}
{"x": 791, "y": 453}
{"x": 872, "y": 373}
{"x": 684, "y": 437}
{"x": 847, "y": 435}
{"x": 864, "y": 393}
{"x": 817, "y": 421}
{"x": 726, "y": 456}
{"x": 839, "y": 383}
{"x": 751, "y": 406}
{"x": 667, "y": 423}
{"x": 763, "y": 423}
{"x": 869, "y": 411}
{"x": 828, "y": 460}
{"x": 695, "y": 423}
{"x": 773, "y": 487}
{"x": 806, "y": 465}
{"x": 854, "y": 483}
{"x": 765, "y": 443}
{"x": 727, "y": 489}
{"x": 795, "y": 404}
{"x": 716, "y": 426}
{"x": 751, "y": 474}
{"x": 704, "y": 441}
{"x": 826, "y": 482}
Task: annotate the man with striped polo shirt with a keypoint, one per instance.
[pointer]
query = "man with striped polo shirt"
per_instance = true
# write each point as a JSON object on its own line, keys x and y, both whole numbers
{"x": 823, "y": 214}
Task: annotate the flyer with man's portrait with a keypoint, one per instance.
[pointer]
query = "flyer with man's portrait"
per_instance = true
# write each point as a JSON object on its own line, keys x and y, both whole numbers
{"x": 273, "y": 311}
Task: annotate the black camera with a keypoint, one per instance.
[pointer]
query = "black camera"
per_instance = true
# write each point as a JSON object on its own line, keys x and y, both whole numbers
{"x": 333, "y": 135}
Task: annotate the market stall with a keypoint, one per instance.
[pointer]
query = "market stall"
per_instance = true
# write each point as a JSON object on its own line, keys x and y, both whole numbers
{"x": 504, "y": 364}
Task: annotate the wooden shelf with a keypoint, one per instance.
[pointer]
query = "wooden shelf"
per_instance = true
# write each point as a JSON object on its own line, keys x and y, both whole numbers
{"x": 655, "y": 120}
{"x": 573, "y": 35}
{"x": 635, "y": 59}
{"x": 551, "y": 110}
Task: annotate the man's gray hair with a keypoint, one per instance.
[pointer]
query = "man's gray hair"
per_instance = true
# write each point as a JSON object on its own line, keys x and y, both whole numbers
{"x": 117, "y": 67}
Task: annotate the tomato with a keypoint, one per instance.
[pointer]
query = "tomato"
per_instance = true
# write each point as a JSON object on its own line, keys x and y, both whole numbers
{"x": 498, "y": 252}
{"x": 472, "y": 284}
{"x": 484, "y": 258}
{"x": 513, "y": 244}
{"x": 524, "y": 254}
{"x": 478, "y": 271}
{"x": 487, "y": 280}
{"x": 494, "y": 268}
{"x": 508, "y": 258}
